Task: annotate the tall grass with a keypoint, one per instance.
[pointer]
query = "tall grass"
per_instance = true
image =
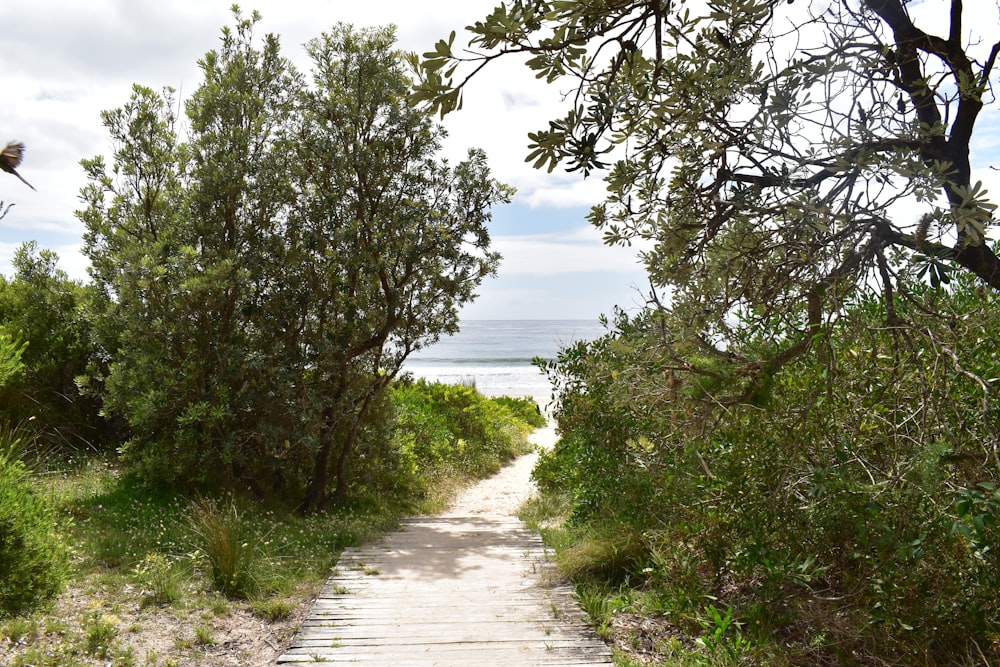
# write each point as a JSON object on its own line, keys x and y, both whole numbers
{"x": 222, "y": 537}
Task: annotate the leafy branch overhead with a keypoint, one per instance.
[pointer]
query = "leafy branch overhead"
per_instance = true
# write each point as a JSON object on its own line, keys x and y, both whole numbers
{"x": 773, "y": 155}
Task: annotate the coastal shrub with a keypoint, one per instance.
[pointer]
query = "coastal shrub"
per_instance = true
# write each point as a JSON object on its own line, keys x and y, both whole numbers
{"x": 33, "y": 561}
{"x": 10, "y": 356}
{"x": 453, "y": 426}
{"x": 51, "y": 315}
{"x": 849, "y": 507}
{"x": 524, "y": 409}
{"x": 379, "y": 467}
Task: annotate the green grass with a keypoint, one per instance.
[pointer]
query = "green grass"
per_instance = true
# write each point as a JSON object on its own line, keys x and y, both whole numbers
{"x": 273, "y": 609}
{"x": 640, "y": 615}
{"x": 136, "y": 551}
{"x": 99, "y": 635}
{"x": 159, "y": 541}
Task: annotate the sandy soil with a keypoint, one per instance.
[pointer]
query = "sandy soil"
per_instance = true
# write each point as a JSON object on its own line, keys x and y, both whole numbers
{"x": 505, "y": 492}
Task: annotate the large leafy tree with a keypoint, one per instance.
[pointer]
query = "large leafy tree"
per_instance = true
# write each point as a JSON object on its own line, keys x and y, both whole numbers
{"x": 800, "y": 171}
{"x": 387, "y": 240}
{"x": 774, "y": 155}
{"x": 173, "y": 234}
{"x": 272, "y": 271}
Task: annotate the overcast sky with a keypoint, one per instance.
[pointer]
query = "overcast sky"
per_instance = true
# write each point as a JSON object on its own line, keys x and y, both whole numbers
{"x": 64, "y": 61}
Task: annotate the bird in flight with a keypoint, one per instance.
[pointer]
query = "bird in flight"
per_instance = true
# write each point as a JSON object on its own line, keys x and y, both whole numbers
{"x": 10, "y": 159}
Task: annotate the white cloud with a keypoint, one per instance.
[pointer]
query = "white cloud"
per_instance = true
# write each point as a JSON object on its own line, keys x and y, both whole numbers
{"x": 577, "y": 297}
{"x": 578, "y": 250}
{"x": 65, "y": 61}
{"x": 560, "y": 191}
{"x": 71, "y": 259}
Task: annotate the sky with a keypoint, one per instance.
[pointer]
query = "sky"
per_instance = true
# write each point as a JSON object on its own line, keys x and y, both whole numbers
{"x": 64, "y": 61}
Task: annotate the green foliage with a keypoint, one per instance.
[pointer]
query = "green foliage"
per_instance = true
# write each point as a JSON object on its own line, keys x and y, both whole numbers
{"x": 269, "y": 272}
{"x": 607, "y": 552}
{"x": 33, "y": 561}
{"x": 158, "y": 579}
{"x": 52, "y": 317}
{"x": 273, "y": 609}
{"x": 442, "y": 437}
{"x": 203, "y": 636}
{"x": 455, "y": 427}
{"x": 762, "y": 154}
{"x": 854, "y": 512}
{"x": 524, "y": 409}
{"x": 722, "y": 632}
{"x": 99, "y": 635}
{"x": 10, "y": 357}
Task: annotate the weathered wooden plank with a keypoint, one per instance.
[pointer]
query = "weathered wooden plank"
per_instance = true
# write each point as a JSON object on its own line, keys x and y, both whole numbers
{"x": 423, "y": 633}
{"x": 484, "y": 655}
{"x": 443, "y": 639}
{"x": 410, "y": 660}
{"x": 449, "y": 591}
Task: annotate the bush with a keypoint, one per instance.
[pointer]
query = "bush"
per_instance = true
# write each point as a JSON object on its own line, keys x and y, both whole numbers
{"x": 847, "y": 504}
{"x": 10, "y": 356}
{"x": 453, "y": 425}
{"x": 524, "y": 409}
{"x": 33, "y": 562}
{"x": 52, "y": 315}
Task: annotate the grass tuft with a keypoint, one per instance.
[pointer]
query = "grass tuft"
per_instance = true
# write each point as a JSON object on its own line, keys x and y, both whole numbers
{"x": 220, "y": 535}
{"x": 273, "y": 609}
{"x": 158, "y": 580}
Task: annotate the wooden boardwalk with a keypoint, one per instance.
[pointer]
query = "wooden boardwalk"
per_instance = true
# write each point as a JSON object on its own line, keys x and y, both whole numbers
{"x": 449, "y": 591}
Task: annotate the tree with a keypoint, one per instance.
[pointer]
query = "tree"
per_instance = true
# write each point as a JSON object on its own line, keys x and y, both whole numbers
{"x": 390, "y": 240}
{"x": 173, "y": 233}
{"x": 50, "y": 314}
{"x": 273, "y": 271}
{"x": 776, "y": 156}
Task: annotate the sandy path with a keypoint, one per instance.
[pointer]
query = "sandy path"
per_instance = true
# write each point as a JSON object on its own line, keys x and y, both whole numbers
{"x": 505, "y": 492}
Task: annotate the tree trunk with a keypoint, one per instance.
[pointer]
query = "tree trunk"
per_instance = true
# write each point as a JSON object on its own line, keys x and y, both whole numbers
{"x": 315, "y": 495}
{"x": 348, "y": 448}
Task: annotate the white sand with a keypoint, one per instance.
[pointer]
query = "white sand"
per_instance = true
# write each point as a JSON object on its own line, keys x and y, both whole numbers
{"x": 505, "y": 492}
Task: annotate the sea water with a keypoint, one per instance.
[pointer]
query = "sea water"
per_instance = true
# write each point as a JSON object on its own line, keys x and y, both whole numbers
{"x": 495, "y": 355}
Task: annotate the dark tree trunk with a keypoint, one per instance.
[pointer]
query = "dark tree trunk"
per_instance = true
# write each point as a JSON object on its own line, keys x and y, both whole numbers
{"x": 348, "y": 448}
{"x": 315, "y": 495}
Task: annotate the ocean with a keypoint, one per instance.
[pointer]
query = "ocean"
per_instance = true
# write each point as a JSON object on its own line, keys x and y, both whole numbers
{"x": 495, "y": 355}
